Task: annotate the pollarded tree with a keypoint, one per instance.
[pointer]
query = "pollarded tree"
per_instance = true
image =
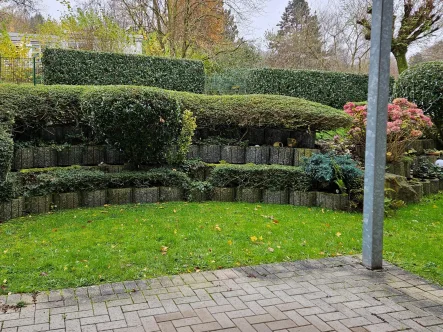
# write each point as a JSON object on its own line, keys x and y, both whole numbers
{"x": 414, "y": 21}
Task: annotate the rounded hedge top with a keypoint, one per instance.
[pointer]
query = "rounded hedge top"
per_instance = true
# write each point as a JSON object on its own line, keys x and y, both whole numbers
{"x": 423, "y": 85}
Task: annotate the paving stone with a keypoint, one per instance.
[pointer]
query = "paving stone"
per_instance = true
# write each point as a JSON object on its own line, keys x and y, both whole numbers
{"x": 335, "y": 294}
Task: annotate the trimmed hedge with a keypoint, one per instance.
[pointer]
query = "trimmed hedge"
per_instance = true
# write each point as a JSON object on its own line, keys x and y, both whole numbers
{"x": 334, "y": 89}
{"x": 74, "y": 67}
{"x": 144, "y": 123}
{"x": 35, "y": 108}
{"x": 38, "y": 184}
{"x": 273, "y": 177}
{"x": 6, "y": 152}
{"x": 261, "y": 111}
{"x": 423, "y": 85}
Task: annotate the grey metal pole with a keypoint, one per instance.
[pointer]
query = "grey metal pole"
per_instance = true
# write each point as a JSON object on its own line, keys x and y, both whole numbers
{"x": 378, "y": 98}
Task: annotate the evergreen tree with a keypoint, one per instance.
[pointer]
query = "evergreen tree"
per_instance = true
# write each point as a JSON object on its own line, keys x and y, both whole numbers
{"x": 296, "y": 17}
{"x": 297, "y": 43}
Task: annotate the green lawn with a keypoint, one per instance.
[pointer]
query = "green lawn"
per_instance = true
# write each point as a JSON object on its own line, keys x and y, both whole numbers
{"x": 84, "y": 247}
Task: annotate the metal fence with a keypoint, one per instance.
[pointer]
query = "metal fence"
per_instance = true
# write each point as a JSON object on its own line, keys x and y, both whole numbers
{"x": 20, "y": 70}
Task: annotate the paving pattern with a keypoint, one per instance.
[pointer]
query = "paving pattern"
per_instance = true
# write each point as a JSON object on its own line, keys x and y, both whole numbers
{"x": 336, "y": 294}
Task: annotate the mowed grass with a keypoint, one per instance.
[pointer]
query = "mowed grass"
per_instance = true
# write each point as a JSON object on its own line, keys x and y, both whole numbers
{"x": 116, "y": 243}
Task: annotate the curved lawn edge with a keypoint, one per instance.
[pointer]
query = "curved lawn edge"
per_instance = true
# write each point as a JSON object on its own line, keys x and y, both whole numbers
{"x": 115, "y": 243}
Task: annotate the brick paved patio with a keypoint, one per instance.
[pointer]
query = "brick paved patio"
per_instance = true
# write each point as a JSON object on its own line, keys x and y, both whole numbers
{"x": 335, "y": 294}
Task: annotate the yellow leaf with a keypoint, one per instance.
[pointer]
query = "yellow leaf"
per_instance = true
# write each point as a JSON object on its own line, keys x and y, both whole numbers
{"x": 338, "y": 234}
{"x": 217, "y": 228}
{"x": 230, "y": 242}
{"x": 254, "y": 238}
{"x": 164, "y": 250}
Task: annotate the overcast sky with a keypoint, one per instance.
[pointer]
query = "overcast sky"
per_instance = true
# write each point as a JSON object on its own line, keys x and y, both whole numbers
{"x": 259, "y": 23}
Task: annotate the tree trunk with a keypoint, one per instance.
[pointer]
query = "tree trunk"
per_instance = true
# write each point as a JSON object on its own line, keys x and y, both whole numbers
{"x": 402, "y": 62}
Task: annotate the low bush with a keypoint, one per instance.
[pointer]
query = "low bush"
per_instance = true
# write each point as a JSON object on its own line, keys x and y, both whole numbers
{"x": 142, "y": 122}
{"x": 11, "y": 188}
{"x": 74, "y": 67}
{"x": 6, "y": 152}
{"x": 334, "y": 89}
{"x": 36, "y": 184}
{"x": 406, "y": 123}
{"x": 261, "y": 111}
{"x": 334, "y": 173}
{"x": 273, "y": 177}
{"x": 423, "y": 85}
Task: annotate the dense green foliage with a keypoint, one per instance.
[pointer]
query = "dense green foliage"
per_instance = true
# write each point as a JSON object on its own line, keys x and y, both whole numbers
{"x": 273, "y": 177}
{"x": 261, "y": 111}
{"x": 334, "y": 89}
{"x": 333, "y": 172}
{"x": 423, "y": 85}
{"x": 143, "y": 123}
{"x": 178, "y": 153}
{"x": 11, "y": 188}
{"x": 42, "y": 183}
{"x": 91, "y": 68}
{"x": 6, "y": 151}
{"x": 36, "y": 107}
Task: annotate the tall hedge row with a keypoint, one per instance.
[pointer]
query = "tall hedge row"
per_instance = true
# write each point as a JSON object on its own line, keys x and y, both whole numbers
{"x": 74, "y": 67}
{"x": 334, "y": 89}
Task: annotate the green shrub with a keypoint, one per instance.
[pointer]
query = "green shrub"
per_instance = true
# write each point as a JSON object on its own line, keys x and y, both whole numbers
{"x": 423, "y": 85}
{"x": 333, "y": 172}
{"x": 178, "y": 153}
{"x": 91, "y": 68}
{"x": 35, "y": 107}
{"x": 144, "y": 123}
{"x": 261, "y": 111}
{"x": 334, "y": 89}
{"x": 273, "y": 177}
{"x": 6, "y": 152}
{"x": 88, "y": 180}
{"x": 11, "y": 188}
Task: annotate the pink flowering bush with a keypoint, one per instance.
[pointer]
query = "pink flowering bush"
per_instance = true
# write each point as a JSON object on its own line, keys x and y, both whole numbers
{"x": 406, "y": 123}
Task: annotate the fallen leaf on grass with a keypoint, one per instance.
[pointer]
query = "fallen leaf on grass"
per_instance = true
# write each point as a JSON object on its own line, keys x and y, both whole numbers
{"x": 338, "y": 234}
{"x": 164, "y": 250}
{"x": 271, "y": 249}
{"x": 217, "y": 228}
